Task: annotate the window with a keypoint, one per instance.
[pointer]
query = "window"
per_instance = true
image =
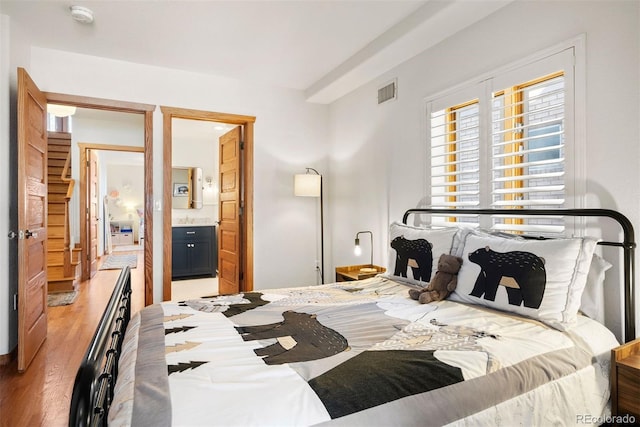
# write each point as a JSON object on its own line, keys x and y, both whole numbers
{"x": 504, "y": 143}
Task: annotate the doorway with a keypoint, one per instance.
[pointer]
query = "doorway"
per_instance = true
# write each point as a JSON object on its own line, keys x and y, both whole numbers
{"x": 147, "y": 111}
{"x": 245, "y": 123}
{"x": 89, "y": 233}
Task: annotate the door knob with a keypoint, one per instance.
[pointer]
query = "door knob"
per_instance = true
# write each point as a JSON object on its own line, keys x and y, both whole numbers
{"x": 28, "y": 234}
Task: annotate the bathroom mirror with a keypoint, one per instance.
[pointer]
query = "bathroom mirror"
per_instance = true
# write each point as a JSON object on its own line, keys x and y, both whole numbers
{"x": 186, "y": 187}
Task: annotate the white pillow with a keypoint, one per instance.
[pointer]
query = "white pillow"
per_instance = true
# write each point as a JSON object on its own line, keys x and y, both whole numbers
{"x": 592, "y": 303}
{"x": 457, "y": 247}
{"x": 541, "y": 279}
{"x": 414, "y": 252}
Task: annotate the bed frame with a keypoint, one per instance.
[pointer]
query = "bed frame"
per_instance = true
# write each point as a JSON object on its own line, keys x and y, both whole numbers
{"x": 95, "y": 381}
{"x": 96, "y": 377}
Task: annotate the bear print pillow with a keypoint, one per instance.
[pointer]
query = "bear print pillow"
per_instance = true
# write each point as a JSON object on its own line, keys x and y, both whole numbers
{"x": 414, "y": 252}
{"x": 541, "y": 279}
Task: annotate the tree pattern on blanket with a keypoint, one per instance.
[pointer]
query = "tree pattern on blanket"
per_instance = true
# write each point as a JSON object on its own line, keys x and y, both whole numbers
{"x": 178, "y": 329}
{"x": 300, "y": 338}
{"x": 181, "y": 366}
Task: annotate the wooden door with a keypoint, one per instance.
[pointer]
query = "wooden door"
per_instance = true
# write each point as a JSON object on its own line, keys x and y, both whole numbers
{"x": 32, "y": 219}
{"x": 229, "y": 214}
{"x": 92, "y": 212}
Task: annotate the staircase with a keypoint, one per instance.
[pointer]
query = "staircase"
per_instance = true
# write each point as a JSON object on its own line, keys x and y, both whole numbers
{"x": 63, "y": 263}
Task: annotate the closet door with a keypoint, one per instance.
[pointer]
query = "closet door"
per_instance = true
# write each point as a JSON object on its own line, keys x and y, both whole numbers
{"x": 229, "y": 250}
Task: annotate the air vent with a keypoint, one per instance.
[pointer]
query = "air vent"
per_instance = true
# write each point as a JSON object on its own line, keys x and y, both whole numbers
{"x": 387, "y": 92}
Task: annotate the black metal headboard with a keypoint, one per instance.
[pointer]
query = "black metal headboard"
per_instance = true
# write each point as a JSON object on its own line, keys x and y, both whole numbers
{"x": 93, "y": 387}
{"x": 627, "y": 244}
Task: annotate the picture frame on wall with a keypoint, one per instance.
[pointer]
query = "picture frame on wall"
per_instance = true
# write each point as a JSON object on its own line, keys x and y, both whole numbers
{"x": 180, "y": 190}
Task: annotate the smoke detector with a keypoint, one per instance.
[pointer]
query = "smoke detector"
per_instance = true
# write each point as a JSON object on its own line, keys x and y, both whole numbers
{"x": 81, "y": 14}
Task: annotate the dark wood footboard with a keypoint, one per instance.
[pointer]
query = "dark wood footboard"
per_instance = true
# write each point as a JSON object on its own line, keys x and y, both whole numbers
{"x": 93, "y": 387}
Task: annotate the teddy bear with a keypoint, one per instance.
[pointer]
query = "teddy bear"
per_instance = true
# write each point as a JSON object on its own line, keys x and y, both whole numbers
{"x": 443, "y": 282}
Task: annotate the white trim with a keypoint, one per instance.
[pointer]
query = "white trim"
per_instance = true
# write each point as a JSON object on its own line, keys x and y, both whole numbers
{"x": 580, "y": 122}
{"x": 577, "y": 42}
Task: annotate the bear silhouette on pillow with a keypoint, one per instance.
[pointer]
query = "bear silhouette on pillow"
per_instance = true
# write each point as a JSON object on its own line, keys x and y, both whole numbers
{"x": 521, "y": 273}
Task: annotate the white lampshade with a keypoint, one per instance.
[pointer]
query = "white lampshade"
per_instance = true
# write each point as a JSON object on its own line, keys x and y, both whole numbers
{"x": 307, "y": 185}
{"x": 61, "y": 110}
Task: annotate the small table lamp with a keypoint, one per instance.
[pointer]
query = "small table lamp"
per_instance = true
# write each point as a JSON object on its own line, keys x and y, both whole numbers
{"x": 357, "y": 250}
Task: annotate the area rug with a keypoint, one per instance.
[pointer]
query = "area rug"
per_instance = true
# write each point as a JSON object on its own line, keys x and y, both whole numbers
{"x": 117, "y": 262}
{"x": 61, "y": 298}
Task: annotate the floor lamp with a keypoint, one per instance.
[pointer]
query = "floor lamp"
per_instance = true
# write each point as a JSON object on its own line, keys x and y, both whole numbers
{"x": 310, "y": 185}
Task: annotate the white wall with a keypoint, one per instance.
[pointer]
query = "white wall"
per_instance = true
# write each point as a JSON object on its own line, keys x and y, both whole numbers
{"x": 7, "y": 314}
{"x": 378, "y": 153}
{"x": 14, "y": 53}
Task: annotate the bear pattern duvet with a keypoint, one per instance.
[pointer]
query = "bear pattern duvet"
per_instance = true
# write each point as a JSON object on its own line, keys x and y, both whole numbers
{"x": 353, "y": 353}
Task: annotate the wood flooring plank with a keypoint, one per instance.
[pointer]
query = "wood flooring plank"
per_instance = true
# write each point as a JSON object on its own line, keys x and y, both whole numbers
{"x": 41, "y": 396}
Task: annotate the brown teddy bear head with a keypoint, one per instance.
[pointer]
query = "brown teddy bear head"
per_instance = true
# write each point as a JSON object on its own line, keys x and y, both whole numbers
{"x": 449, "y": 263}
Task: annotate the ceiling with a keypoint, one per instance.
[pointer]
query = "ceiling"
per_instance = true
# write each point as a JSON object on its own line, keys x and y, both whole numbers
{"x": 325, "y": 48}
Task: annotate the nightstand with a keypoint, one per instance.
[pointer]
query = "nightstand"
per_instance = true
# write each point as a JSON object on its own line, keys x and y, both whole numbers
{"x": 357, "y": 272}
{"x": 625, "y": 379}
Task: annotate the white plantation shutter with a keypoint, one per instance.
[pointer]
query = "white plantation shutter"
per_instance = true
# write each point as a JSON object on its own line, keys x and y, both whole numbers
{"x": 528, "y": 152}
{"x": 455, "y": 158}
{"x": 506, "y": 142}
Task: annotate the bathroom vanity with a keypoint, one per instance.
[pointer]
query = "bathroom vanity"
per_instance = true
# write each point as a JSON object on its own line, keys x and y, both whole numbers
{"x": 194, "y": 251}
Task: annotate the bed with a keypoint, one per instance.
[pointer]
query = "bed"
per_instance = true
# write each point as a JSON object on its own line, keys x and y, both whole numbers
{"x": 507, "y": 350}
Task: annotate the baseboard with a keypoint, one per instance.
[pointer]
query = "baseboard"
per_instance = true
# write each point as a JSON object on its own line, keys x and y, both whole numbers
{"x": 5, "y": 359}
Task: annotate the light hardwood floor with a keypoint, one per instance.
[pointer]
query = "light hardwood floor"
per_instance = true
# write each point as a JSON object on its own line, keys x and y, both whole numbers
{"x": 41, "y": 395}
{"x": 193, "y": 288}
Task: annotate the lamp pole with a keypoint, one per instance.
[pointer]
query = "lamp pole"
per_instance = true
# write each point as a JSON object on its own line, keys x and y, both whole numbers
{"x": 310, "y": 188}
{"x": 321, "y": 225}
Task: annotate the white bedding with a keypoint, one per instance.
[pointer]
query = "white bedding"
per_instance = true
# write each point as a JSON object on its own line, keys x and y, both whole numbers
{"x": 539, "y": 375}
